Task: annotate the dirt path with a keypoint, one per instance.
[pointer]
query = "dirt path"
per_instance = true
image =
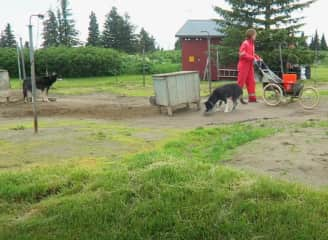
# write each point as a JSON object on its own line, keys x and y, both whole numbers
{"x": 300, "y": 155}
{"x": 138, "y": 112}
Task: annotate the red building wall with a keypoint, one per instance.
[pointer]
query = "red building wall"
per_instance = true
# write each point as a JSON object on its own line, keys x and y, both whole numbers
{"x": 194, "y": 55}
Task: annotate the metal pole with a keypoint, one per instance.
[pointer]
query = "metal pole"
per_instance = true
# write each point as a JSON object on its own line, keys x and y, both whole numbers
{"x": 209, "y": 64}
{"x": 22, "y": 58}
{"x": 143, "y": 68}
{"x": 35, "y": 114}
{"x": 18, "y": 62}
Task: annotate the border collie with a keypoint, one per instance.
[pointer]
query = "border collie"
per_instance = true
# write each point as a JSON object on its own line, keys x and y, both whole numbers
{"x": 222, "y": 94}
{"x": 42, "y": 83}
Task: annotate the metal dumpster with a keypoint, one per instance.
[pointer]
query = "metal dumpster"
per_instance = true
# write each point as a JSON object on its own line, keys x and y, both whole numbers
{"x": 4, "y": 85}
{"x": 175, "y": 89}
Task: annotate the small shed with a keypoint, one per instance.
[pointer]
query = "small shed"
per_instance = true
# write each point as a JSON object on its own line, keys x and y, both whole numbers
{"x": 194, "y": 44}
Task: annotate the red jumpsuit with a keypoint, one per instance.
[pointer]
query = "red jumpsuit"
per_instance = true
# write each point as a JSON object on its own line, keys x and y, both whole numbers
{"x": 246, "y": 68}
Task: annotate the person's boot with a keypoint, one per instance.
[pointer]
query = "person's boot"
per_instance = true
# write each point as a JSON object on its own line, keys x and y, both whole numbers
{"x": 252, "y": 99}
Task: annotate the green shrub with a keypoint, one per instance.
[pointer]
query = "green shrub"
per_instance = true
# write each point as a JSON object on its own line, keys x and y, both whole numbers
{"x": 79, "y": 62}
{"x": 91, "y": 61}
{"x": 8, "y": 60}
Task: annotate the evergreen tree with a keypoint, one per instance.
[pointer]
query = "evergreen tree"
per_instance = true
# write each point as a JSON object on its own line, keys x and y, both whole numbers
{"x": 111, "y": 29}
{"x": 315, "y": 42}
{"x": 94, "y": 35}
{"x": 302, "y": 41}
{"x": 60, "y": 27}
{"x": 50, "y": 30}
{"x": 275, "y": 21}
{"x": 119, "y": 32}
{"x": 323, "y": 43}
{"x": 67, "y": 32}
{"x": 145, "y": 41}
{"x": 273, "y": 16}
{"x": 128, "y": 38}
{"x": 2, "y": 39}
{"x": 7, "y": 38}
{"x": 177, "y": 45}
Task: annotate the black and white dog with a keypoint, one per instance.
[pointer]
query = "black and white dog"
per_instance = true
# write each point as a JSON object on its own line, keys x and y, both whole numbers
{"x": 42, "y": 83}
{"x": 222, "y": 94}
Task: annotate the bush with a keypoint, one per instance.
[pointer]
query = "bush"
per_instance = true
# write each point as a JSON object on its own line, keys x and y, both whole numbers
{"x": 91, "y": 61}
{"x": 8, "y": 60}
{"x": 79, "y": 62}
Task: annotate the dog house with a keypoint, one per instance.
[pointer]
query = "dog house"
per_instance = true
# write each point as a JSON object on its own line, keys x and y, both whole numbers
{"x": 4, "y": 85}
{"x": 175, "y": 89}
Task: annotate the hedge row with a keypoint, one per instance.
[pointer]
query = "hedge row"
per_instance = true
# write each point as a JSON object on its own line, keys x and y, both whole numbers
{"x": 91, "y": 61}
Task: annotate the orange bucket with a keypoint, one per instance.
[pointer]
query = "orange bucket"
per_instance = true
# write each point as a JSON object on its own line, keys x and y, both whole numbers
{"x": 289, "y": 81}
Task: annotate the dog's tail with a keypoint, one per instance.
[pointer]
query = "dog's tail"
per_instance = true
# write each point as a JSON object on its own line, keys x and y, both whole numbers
{"x": 242, "y": 100}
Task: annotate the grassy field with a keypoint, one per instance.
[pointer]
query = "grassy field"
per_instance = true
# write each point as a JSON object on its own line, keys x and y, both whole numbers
{"x": 132, "y": 85}
{"x": 129, "y": 85}
{"x": 172, "y": 190}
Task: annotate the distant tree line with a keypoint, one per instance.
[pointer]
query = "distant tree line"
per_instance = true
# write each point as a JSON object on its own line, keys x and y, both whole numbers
{"x": 59, "y": 30}
{"x": 118, "y": 31}
{"x": 318, "y": 43}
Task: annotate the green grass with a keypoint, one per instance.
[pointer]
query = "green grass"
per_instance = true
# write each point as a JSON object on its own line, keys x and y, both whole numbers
{"x": 320, "y": 73}
{"x": 178, "y": 191}
{"x": 128, "y": 85}
{"x": 98, "y": 139}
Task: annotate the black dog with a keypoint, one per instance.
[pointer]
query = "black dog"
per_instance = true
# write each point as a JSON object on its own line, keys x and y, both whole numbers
{"x": 222, "y": 94}
{"x": 42, "y": 83}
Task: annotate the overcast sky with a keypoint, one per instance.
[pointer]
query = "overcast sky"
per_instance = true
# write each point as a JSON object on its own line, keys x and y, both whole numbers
{"x": 162, "y": 18}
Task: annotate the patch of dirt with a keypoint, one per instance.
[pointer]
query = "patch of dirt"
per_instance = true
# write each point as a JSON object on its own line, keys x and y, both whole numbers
{"x": 299, "y": 156}
{"x": 137, "y": 111}
{"x": 95, "y": 106}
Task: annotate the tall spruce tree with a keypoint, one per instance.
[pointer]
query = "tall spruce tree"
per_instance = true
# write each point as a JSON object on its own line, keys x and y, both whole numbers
{"x": 50, "y": 30}
{"x": 323, "y": 43}
{"x": 145, "y": 41}
{"x": 111, "y": 29}
{"x": 7, "y": 37}
{"x": 118, "y": 32}
{"x": 177, "y": 44}
{"x": 2, "y": 39}
{"x": 68, "y": 35}
{"x": 302, "y": 41}
{"x": 315, "y": 42}
{"x": 275, "y": 21}
{"x": 94, "y": 34}
{"x": 274, "y": 18}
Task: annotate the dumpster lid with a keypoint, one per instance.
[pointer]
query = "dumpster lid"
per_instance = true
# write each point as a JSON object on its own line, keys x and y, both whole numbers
{"x": 175, "y": 74}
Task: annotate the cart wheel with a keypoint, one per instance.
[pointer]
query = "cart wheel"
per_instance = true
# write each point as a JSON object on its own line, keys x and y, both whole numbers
{"x": 152, "y": 100}
{"x": 309, "y": 98}
{"x": 272, "y": 94}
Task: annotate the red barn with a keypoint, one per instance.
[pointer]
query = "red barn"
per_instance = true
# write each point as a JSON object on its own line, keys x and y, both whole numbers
{"x": 194, "y": 43}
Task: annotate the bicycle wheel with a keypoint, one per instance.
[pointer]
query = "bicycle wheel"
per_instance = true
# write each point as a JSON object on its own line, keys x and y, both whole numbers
{"x": 272, "y": 94}
{"x": 309, "y": 98}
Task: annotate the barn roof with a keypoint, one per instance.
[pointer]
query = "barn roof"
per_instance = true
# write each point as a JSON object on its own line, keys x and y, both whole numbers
{"x": 194, "y": 28}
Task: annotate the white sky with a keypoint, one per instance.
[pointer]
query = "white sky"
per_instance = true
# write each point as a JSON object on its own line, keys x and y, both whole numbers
{"x": 162, "y": 18}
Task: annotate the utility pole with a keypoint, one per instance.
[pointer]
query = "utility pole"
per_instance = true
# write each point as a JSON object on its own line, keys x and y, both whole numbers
{"x": 143, "y": 67}
{"x": 209, "y": 62}
{"x": 22, "y": 58}
{"x": 18, "y": 62}
{"x": 33, "y": 81}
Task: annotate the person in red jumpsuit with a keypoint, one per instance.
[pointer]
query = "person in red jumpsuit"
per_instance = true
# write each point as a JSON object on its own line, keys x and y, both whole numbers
{"x": 247, "y": 57}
